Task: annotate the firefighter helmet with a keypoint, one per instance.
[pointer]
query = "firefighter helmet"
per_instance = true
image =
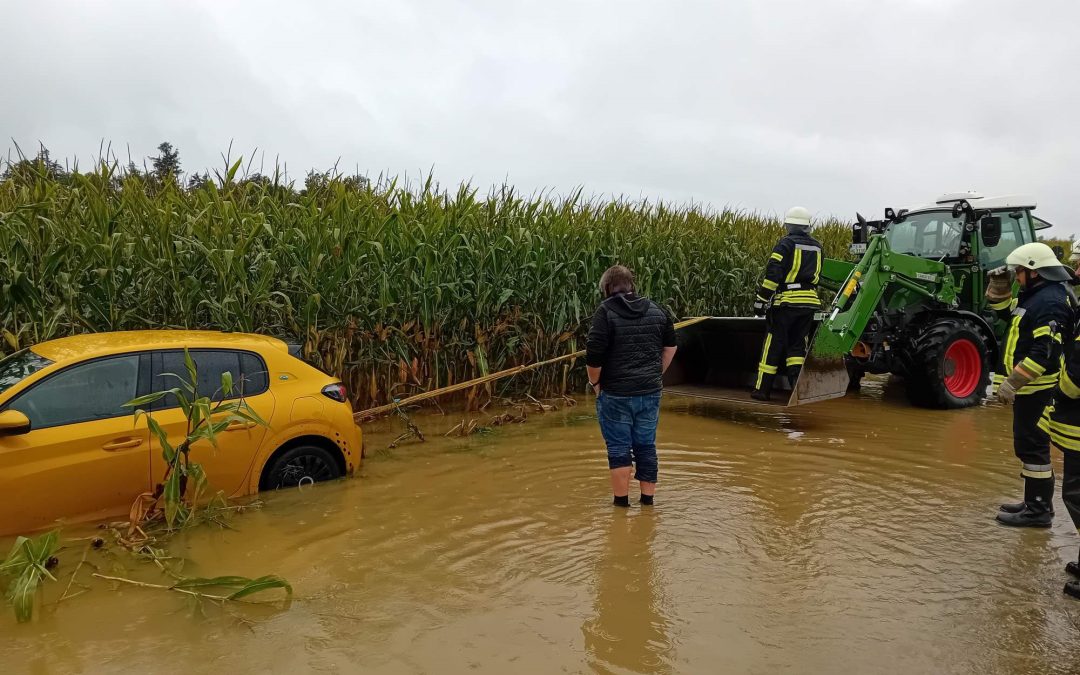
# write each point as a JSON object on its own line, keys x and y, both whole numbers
{"x": 1039, "y": 257}
{"x": 797, "y": 215}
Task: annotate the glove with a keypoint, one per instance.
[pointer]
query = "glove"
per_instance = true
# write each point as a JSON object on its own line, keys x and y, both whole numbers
{"x": 999, "y": 284}
{"x": 1017, "y": 379}
{"x": 759, "y": 308}
{"x": 1006, "y": 393}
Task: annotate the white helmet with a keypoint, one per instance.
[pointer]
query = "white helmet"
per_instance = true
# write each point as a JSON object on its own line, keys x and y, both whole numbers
{"x": 1038, "y": 256}
{"x": 797, "y": 215}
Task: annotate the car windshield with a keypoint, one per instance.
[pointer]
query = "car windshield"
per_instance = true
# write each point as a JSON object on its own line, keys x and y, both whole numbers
{"x": 19, "y": 366}
{"x": 935, "y": 234}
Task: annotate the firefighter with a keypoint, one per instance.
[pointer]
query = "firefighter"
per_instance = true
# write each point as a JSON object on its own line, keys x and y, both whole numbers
{"x": 1062, "y": 421}
{"x": 1037, "y": 320}
{"x": 788, "y": 299}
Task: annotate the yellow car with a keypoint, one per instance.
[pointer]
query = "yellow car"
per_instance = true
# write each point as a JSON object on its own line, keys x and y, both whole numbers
{"x": 70, "y": 450}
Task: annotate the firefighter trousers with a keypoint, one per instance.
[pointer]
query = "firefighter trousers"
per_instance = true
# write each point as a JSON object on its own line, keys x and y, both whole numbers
{"x": 1031, "y": 444}
{"x": 785, "y": 343}
{"x": 1070, "y": 485}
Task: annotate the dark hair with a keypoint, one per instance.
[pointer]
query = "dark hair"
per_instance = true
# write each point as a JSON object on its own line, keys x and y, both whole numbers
{"x": 616, "y": 279}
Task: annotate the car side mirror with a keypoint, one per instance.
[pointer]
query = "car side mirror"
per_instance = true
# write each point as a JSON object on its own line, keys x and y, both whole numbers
{"x": 13, "y": 423}
{"x": 990, "y": 227}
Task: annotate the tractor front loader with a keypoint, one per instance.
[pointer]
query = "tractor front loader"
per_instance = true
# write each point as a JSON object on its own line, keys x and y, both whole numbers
{"x": 912, "y": 306}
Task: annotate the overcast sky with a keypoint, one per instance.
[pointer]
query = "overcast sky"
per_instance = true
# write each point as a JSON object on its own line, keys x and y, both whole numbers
{"x": 836, "y": 105}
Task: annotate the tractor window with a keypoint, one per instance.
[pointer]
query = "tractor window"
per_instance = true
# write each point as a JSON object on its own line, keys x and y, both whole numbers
{"x": 1013, "y": 235}
{"x": 928, "y": 235}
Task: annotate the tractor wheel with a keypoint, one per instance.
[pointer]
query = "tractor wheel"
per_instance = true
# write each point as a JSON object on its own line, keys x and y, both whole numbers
{"x": 950, "y": 366}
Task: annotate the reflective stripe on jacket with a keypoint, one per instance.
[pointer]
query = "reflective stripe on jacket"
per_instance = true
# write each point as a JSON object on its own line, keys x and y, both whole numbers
{"x": 1034, "y": 339}
{"x": 793, "y": 272}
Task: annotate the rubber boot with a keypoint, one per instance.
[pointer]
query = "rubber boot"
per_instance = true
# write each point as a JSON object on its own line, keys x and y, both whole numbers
{"x": 1038, "y": 509}
{"x": 793, "y": 375}
{"x": 1072, "y": 588}
{"x": 763, "y": 392}
{"x": 1073, "y": 569}
{"x": 1015, "y": 507}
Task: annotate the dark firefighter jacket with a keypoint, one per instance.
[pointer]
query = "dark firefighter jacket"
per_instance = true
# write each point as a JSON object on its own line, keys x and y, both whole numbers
{"x": 1037, "y": 320}
{"x": 1062, "y": 419}
{"x": 793, "y": 272}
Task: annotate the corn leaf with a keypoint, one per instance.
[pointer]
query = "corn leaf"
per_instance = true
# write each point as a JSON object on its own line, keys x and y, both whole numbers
{"x": 262, "y": 584}
{"x": 213, "y": 582}
{"x": 148, "y": 399}
{"x": 193, "y": 378}
{"x": 167, "y": 450}
{"x": 28, "y": 564}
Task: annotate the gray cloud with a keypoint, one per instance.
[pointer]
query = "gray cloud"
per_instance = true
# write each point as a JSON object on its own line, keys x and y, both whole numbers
{"x": 837, "y": 105}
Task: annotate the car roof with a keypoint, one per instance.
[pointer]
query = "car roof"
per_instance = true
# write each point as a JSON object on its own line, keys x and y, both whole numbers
{"x": 91, "y": 345}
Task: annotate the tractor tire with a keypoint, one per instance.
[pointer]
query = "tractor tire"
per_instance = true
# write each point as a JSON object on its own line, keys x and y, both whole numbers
{"x": 950, "y": 366}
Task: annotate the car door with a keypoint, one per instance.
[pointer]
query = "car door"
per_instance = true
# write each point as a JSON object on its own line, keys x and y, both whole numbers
{"x": 84, "y": 453}
{"x": 227, "y": 465}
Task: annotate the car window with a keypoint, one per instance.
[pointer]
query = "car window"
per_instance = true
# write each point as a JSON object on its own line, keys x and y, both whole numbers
{"x": 210, "y": 364}
{"x": 256, "y": 379}
{"x": 89, "y": 391}
{"x": 19, "y": 366}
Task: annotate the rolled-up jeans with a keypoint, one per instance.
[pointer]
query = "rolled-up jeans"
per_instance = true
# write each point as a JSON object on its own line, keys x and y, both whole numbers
{"x": 628, "y": 424}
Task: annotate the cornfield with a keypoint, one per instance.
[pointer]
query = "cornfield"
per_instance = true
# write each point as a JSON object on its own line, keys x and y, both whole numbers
{"x": 394, "y": 288}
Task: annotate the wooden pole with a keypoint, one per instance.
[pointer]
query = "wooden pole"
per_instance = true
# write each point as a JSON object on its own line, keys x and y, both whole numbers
{"x": 509, "y": 372}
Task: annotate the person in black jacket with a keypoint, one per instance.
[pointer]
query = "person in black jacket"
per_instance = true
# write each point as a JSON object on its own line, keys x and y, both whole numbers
{"x": 788, "y": 299}
{"x": 630, "y": 345}
{"x": 1031, "y": 360}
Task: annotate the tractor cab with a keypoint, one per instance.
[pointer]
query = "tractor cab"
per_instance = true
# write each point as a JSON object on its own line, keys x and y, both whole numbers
{"x": 957, "y": 229}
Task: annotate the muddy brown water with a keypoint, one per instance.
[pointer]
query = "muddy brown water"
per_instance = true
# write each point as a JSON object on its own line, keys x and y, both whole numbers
{"x": 854, "y": 534}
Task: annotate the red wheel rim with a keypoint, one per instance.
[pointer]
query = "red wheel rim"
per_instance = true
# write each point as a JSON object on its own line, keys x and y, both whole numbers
{"x": 963, "y": 368}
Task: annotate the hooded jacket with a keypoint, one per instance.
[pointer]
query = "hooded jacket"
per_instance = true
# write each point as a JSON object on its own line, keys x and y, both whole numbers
{"x": 626, "y": 341}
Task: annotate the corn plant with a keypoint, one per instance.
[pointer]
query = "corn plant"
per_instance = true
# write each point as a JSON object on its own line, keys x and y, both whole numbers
{"x": 28, "y": 566}
{"x": 205, "y": 420}
{"x": 394, "y": 287}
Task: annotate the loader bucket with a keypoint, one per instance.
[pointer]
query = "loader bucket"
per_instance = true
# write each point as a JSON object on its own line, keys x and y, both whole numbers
{"x": 718, "y": 359}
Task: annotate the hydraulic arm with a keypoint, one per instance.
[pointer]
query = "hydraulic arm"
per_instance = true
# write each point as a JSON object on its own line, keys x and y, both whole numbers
{"x": 881, "y": 280}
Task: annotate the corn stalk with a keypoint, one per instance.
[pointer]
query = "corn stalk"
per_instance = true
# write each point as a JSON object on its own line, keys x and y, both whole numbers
{"x": 391, "y": 286}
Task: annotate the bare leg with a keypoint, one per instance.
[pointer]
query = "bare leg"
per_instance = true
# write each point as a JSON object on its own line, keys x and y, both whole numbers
{"x": 648, "y": 488}
{"x": 620, "y": 481}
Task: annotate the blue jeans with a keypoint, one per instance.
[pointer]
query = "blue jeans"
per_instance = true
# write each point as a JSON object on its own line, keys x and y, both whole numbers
{"x": 628, "y": 424}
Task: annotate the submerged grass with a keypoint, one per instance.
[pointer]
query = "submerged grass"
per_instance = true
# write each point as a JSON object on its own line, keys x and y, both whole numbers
{"x": 395, "y": 288}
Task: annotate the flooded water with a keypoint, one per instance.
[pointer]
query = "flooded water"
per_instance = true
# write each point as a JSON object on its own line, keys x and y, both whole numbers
{"x": 854, "y": 534}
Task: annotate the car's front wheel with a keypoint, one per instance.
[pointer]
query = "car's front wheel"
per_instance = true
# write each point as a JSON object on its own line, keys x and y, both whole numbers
{"x": 302, "y": 465}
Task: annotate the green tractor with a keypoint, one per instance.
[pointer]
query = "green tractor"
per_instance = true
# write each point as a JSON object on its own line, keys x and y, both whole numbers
{"x": 911, "y": 304}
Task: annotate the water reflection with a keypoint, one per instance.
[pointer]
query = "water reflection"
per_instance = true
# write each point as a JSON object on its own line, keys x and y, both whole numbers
{"x": 628, "y": 631}
{"x": 855, "y": 535}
